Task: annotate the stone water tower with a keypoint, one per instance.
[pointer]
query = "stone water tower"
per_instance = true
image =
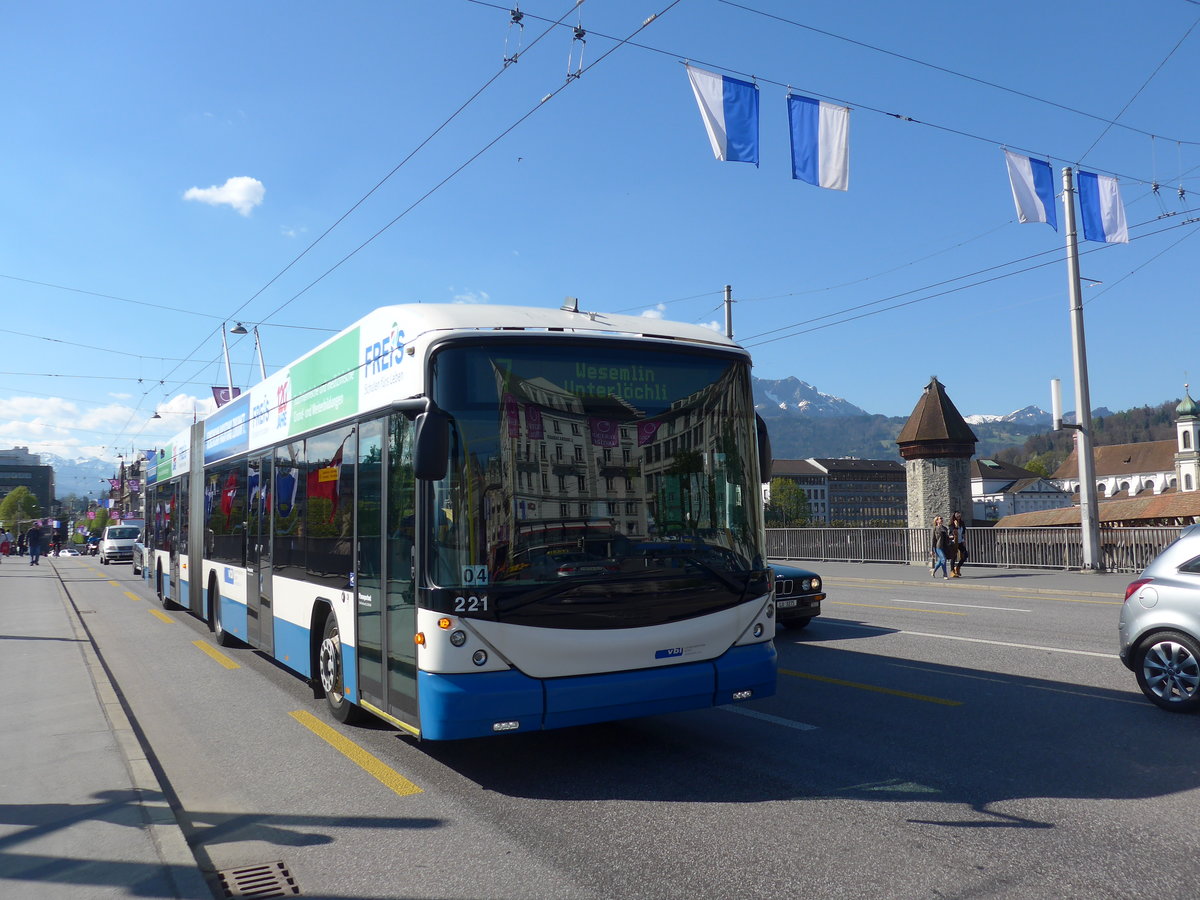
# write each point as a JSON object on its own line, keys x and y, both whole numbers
{"x": 937, "y": 444}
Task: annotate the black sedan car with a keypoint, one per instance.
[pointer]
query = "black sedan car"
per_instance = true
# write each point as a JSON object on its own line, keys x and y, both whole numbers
{"x": 798, "y": 595}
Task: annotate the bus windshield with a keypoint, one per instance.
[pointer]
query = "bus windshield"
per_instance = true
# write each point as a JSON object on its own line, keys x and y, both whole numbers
{"x": 594, "y": 482}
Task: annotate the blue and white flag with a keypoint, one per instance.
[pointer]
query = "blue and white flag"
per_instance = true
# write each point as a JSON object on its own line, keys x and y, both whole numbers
{"x": 820, "y": 142}
{"x": 729, "y": 108}
{"x": 1032, "y": 188}
{"x": 1101, "y": 209}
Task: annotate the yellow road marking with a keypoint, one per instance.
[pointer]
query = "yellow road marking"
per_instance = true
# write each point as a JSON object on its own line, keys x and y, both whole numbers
{"x": 941, "y": 701}
{"x": 114, "y": 582}
{"x": 132, "y": 596}
{"x": 159, "y": 614}
{"x": 216, "y": 654}
{"x": 940, "y": 612}
{"x": 370, "y": 763}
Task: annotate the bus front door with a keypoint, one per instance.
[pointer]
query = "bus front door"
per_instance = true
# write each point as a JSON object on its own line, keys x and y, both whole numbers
{"x": 386, "y": 619}
{"x": 260, "y": 622}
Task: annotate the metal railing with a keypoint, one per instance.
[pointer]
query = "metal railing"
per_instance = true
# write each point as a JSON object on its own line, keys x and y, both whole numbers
{"x": 1124, "y": 549}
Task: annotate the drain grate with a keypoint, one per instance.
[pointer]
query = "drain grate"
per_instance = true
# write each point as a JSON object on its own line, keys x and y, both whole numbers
{"x": 266, "y": 880}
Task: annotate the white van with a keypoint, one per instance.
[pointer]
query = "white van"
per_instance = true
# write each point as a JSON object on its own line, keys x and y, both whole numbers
{"x": 117, "y": 543}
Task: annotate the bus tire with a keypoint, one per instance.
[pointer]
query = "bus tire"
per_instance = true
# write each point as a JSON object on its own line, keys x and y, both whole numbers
{"x": 329, "y": 668}
{"x": 158, "y": 588}
{"x": 222, "y": 637}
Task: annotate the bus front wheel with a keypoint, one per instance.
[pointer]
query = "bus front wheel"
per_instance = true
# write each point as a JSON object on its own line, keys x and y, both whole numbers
{"x": 329, "y": 664}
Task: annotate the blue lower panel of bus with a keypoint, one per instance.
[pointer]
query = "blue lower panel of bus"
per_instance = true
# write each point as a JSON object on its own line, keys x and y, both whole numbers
{"x": 233, "y": 617}
{"x": 463, "y": 706}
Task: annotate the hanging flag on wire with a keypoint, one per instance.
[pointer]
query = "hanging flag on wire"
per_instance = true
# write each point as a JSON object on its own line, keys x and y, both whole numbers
{"x": 820, "y": 142}
{"x": 1101, "y": 209}
{"x": 729, "y": 107}
{"x": 1033, "y": 192}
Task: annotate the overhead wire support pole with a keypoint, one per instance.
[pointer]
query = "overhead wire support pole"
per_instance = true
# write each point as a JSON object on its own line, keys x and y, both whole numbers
{"x": 729, "y": 311}
{"x": 1089, "y": 514}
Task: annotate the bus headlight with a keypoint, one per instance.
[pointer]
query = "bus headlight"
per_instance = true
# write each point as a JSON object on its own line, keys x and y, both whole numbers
{"x": 458, "y": 638}
{"x": 479, "y": 657}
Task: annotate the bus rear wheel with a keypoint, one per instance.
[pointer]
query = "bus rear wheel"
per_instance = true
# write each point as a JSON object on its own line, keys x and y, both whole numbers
{"x": 329, "y": 665}
{"x": 223, "y": 637}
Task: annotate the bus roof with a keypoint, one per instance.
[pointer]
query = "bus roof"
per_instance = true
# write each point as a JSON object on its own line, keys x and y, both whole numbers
{"x": 365, "y": 366}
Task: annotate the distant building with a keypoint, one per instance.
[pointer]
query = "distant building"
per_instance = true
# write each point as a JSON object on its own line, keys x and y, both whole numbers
{"x": 1151, "y": 483}
{"x": 20, "y": 468}
{"x": 1147, "y": 468}
{"x": 1001, "y": 489}
{"x": 848, "y": 491}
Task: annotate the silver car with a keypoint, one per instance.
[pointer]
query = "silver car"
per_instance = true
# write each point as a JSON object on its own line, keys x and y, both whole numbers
{"x": 1160, "y": 625}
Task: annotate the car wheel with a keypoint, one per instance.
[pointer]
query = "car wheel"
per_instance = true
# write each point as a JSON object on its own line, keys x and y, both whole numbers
{"x": 104, "y": 560}
{"x": 329, "y": 664}
{"x": 1168, "y": 671}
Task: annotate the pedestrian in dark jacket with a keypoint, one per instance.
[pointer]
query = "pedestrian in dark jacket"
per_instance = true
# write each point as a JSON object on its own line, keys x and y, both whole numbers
{"x": 33, "y": 537}
{"x": 958, "y": 539}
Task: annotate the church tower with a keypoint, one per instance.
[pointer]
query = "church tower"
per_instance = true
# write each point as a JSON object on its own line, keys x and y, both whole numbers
{"x": 1187, "y": 444}
{"x": 937, "y": 445}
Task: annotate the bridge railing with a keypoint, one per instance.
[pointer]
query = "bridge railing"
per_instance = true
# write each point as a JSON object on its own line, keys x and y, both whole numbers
{"x": 1123, "y": 549}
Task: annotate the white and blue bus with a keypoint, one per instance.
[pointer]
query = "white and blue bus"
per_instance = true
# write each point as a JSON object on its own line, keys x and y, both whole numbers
{"x": 474, "y": 520}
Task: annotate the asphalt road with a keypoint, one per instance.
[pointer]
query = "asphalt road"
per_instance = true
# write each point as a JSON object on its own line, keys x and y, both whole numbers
{"x": 960, "y": 739}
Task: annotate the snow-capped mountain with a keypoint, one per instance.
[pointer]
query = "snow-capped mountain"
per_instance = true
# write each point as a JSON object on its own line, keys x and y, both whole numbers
{"x": 1028, "y": 415}
{"x": 81, "y": 477}
{"x": 791, "y": 396}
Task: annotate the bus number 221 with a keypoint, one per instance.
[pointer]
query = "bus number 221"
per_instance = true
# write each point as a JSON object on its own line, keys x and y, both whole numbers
{"x": 470, "y": 604}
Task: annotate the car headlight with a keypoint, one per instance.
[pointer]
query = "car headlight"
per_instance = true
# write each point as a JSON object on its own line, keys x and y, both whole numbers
{"x": 816, "y": 584}
{"x": 806, "y": 585}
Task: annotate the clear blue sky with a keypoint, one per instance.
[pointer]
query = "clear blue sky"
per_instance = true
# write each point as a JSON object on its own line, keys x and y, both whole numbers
{"x": 121, "y": 116}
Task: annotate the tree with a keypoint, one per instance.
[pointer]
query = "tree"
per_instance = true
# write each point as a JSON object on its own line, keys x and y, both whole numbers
{"x": 789, "y": 504}
{"x": 20, "y": 506}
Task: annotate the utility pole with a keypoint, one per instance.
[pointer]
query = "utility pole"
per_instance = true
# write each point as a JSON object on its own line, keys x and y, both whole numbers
{"x": 1089, "y": 515}
{"x": 729, "y": 311}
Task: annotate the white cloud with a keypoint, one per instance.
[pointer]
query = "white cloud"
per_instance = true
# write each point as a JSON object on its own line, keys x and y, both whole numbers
{"x": 290, "y": 232}
{"x": 714, "y": 326}
{"x": 656, "y": 313}
{"x": 472, "y": 297}
{"x": 69, "y": 429}
{"x": 242, "y": 192}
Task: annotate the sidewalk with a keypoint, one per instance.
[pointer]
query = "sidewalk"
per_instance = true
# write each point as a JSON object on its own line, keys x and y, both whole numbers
{"x": 82, "y": 814}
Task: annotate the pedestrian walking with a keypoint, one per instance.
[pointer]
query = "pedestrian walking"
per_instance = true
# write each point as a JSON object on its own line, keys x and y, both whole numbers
{"x": 10, "y": 542}
{"x": 941, "y": 547}
{"x": 958, "y": 538}
{"x": 33, "y": 537}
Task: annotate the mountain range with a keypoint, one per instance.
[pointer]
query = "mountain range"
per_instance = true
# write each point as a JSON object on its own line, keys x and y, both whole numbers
{"x": 804, "y": 422}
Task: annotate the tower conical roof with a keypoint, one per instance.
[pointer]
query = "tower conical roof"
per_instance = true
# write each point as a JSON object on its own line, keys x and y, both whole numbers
{"x": 936, "y": 428}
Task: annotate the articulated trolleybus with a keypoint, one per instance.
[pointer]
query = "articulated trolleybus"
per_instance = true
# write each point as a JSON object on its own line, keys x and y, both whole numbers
{"x": 470, "y": 520}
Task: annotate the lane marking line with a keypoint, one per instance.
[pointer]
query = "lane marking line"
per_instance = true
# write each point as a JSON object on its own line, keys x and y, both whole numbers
{"x": 963, "y": 605}
{"x": 767, "y": 717}
{"x": 159, "y": 614}
{"x": 954, "y": 637}
{"x": 216, "y": 654}
{"x": 114, "y": 582}
{"x": 940, "y": 612}
{"x": 132, "y": 596}
{"x": 1036, "y": 687}
{"x": 874, "y": 688}
{"x": 365, "y": 760}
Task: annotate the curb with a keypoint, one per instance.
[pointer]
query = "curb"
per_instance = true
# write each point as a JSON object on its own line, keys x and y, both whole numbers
{"x": 160, "y": 821}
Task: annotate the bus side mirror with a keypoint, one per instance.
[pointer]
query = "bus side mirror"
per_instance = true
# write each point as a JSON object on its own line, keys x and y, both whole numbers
{"x": 764, "y": 449}
{"x": 432, "y": 446}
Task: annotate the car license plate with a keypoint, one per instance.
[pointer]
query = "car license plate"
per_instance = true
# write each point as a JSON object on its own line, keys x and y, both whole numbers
{"x": 786, "y": 604}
